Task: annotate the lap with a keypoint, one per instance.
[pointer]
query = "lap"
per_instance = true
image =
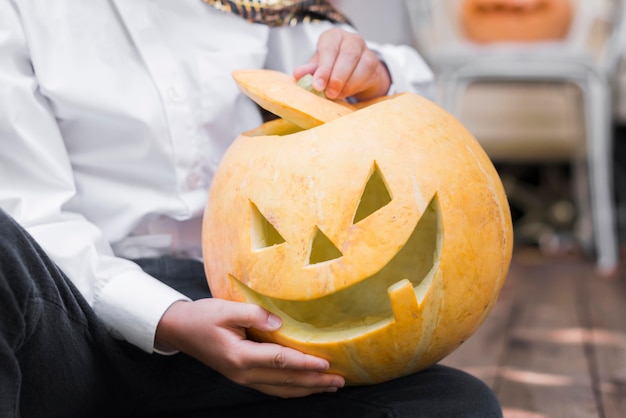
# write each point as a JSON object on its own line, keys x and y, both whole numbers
{"x": 438, "y": 391}
{"x": 68, "y": 356}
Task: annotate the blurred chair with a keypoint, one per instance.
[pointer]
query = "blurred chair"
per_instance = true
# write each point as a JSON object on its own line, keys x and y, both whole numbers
{"x": 388, "y": 24}
{"x": 587, "y": 58}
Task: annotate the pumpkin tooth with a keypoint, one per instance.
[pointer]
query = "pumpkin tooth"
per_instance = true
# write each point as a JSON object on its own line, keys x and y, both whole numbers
{"x": 403, "y": 301}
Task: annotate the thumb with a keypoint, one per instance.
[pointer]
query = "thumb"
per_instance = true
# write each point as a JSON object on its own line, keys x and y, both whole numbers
{"x": 254, "y": 316}
{"x": 304, "y": 69}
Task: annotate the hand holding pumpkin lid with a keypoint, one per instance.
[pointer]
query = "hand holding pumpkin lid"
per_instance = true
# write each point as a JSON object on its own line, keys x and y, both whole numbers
{"x": 276, "y": 92}
{"x": 381, "y": 236}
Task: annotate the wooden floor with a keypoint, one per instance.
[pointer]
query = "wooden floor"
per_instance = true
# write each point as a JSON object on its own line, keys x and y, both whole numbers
{"x": 555, "y": 343}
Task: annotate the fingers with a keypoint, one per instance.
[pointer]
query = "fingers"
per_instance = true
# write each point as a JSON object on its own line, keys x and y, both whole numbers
{"x": 343, "y": 66}
{"x": 280, "y": 371}
{"x": 304, "y": 69}
{"x": 285, "y": 380}
{"x": 247, "y": 315}
{"x": 366, "y": 80}
{"x": 274, "y": 356}
{"x": 214, "y": 332}
{"x": 290, "y": 391}
{"x": 289, "y": 377}
{"x": 338, "y": 54}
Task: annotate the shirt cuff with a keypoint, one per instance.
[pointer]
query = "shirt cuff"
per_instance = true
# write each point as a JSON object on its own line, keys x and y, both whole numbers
{"x": 408, "y": 70}
{"x": 131, "y": 306}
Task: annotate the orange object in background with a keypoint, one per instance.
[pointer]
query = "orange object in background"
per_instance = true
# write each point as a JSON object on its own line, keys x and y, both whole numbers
{"x": 487, "y": 21}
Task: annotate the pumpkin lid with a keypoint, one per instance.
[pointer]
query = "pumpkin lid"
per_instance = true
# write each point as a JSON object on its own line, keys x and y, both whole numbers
{"x": 280, "y": 94}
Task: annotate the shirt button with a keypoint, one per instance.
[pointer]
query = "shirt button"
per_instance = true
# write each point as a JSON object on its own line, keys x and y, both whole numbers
{"x": 195, "y": 181}
{"x": 192, "y": 181}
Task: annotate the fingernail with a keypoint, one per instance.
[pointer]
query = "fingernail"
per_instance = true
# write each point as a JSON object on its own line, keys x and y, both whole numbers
{"x": 331, "y": 93}
{"x": 274, "y": 321}
{"x": 339, "y": 383}
{"x": 318, "y": 84}
{"x": 323, "y": 365}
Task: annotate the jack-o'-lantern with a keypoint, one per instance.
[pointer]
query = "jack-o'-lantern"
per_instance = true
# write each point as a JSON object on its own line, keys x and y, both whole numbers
{"x": 486, "y": 21}
{"x": 380, "y": 234}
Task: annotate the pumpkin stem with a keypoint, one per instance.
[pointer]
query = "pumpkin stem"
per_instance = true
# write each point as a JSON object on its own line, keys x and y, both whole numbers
{"x": 306, "y": 82}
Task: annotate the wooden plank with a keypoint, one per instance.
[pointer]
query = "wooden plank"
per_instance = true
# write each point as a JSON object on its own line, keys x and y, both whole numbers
{"x": 607, "y": 338}
{"x": 544, "y": 371}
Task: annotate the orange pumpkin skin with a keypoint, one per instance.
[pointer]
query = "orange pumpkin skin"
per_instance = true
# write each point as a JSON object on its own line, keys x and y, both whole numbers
{"x": 411, "y": 280}
{"x": 486, "y": 21}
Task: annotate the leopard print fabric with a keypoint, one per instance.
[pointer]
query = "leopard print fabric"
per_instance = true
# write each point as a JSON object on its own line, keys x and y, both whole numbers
{"x": 280, "y": 12}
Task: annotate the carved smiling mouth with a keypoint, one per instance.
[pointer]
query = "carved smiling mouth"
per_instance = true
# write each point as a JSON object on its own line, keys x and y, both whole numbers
{"x": 368, "y": 304}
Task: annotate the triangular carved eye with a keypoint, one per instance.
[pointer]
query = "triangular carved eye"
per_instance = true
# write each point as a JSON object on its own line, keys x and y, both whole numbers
{"x": 263, "y": 233}
{"x": 322, "y": 249}
{"x": 375, "y": 195}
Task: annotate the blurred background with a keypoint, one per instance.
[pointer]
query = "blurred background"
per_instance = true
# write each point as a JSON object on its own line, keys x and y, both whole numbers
{"x": 542, "y": 86}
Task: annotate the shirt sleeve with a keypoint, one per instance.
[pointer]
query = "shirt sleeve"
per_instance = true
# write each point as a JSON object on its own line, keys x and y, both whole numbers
{"x": 409, "y": 72}
{"x": 36, "y": 184}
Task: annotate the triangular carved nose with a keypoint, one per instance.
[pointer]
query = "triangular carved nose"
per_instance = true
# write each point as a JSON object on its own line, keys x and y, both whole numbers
{"x": 322, "y": 249}
{"x": 375, "y": 195}
{"x": 263, "y": 233}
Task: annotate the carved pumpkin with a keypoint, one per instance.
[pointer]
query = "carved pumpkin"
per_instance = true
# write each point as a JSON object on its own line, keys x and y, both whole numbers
{"x": 515, "y": 20}
{"x": 380, "y": 235}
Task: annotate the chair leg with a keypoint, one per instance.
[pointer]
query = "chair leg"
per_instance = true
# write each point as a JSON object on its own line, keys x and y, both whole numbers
{"x": 584, "y": 222}
{"x": 599, "y": 145}
{"x": 453, "y": 91}
{"x": 599, "y": 163}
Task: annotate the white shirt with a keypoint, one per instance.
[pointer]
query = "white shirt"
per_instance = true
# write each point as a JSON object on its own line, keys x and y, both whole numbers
{"x": 114, "y": 115}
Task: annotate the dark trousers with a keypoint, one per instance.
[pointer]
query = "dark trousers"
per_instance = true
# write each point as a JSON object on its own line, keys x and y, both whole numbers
{"x": 57, "y": 360}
